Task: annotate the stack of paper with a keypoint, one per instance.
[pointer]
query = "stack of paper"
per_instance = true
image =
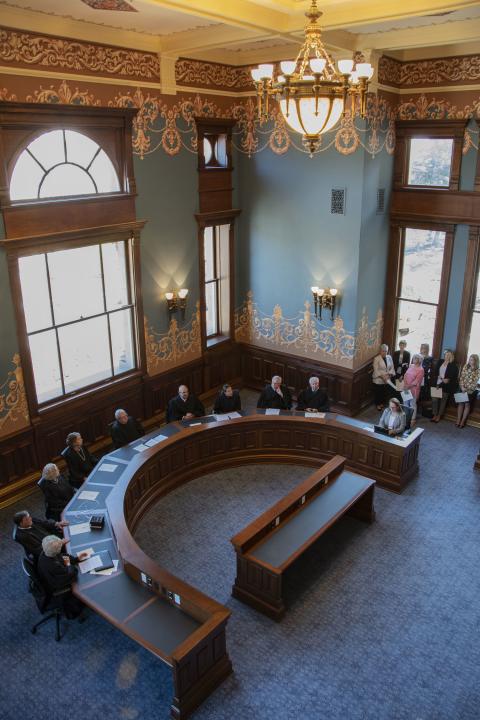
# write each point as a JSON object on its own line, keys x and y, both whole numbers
{"x": 88, "y": 495}
{"x": 107, "y": 467}
{"x": 79, "y": 528}
{"x": 155, "y": 440}
{"x": 140, "y": 448}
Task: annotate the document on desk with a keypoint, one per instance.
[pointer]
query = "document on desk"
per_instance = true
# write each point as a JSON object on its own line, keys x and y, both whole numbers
{"x": 79, "y": 528}
{"x": 90, "y": 564}
{"x": 221, "y": 416}
{"x": 234, "y": 415}
{"x": 272, "y": 411}
{"x": 88, "y": 495}
{"x": 194, "y": 424}
{"x": 107, "y": 467}
{"x": 315, "y": 415}
{"x": 140, "y": 448}
{"x": 155, "y": 440}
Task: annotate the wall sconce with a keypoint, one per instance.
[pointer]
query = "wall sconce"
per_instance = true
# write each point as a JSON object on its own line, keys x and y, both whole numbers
{"x": 177, "y": 301}
{"x": 324, "y": 298}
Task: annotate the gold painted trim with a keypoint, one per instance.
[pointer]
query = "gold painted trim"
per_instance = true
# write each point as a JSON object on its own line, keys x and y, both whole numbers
{"x": 429, "y": 89}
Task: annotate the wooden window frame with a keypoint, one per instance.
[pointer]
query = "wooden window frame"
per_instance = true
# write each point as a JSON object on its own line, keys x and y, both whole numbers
{"x": 472, "y": 273}
{"x": 74, "y": 239}
{"x": 433, "y": 129}
{"x": 394, "y": 280}
{"x": 215, "y": 219}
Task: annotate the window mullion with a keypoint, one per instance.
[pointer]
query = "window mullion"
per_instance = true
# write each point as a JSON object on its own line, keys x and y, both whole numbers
{"x": 100, "y": 250}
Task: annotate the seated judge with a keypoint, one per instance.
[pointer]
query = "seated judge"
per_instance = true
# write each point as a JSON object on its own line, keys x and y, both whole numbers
{"x": 227, "y": 400}
{"x": 312, "y": 399}
{"x": 56, "y": 490}
{"x": 30, "y": 531}
{"x": 401, "y": 360}
{"x": 125, "y": 429}
{"x": 276, "y": 395}
{"x": 79, "y": 459}
{"x": 58, "y": 570}
{"x": 393, "y": 418}
{"x": 184, "y": 406}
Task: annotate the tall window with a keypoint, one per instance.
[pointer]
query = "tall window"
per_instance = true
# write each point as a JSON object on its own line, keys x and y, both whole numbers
{"x": 62, "y": 163}
{"x": 430, "y": 161}
{"x": 474, "y": 341}
{"x": 419, "y": 292}
{"x": 79, "y": 319}
{"x": 216, "y": 252}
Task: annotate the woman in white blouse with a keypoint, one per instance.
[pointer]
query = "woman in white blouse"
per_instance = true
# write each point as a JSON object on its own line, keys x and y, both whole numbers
{"x": 383, "y": 371}
{"x": 393, "y": 418}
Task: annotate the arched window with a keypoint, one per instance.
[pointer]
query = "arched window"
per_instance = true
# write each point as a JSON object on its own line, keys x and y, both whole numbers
{"x": 62, "y": 163}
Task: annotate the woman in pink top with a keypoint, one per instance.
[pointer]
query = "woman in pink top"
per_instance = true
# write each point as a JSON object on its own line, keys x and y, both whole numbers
{"x": 412, "y": 380}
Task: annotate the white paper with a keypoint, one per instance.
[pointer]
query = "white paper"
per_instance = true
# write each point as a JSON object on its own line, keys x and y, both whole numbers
{"x": 107, "y": 571}
{"x": 107, "y": 467}
{"x": 315, "y": 415}
{"x": 461, "y": 397}
{"x": 234, "y": 415}
{"x": 193, "y": 424}
{"x": 79, "y": 529}
{"x": 155, "y": 440}
{"x": 272, "y": 411}
{"x": 222, "y": 416}
{"x": 88, "y": 495}
{"x": 370, "y": 429}
{"x": 436, "y": 392}
{"x": 406, "y": 395}
{"x": 90, "y": 564}
{"x": 140, "y": 448}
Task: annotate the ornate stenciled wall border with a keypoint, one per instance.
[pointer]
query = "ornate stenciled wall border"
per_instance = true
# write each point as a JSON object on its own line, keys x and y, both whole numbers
{"x": 306, "y": 336}
{"x": 13, "y": 400}
{"x": 25, "y": 50}
{"x": 462, "y": 70}
{"x": 177, "y": 346}
{"x": 212, "y": 75}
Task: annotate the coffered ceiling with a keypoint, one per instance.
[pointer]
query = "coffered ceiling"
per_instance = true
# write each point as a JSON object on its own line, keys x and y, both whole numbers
{"x": 249, "y": 31}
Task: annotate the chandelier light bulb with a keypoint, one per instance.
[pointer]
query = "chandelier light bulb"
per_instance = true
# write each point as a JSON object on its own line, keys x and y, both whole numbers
{"x": 318, "y": 65}
{"x": 288, "y": 67}
{"x": 256, "y": 74}
{"x": 266, "y": 71}
{"x": 364, "y": 70}
{"x": 345, "y": 66}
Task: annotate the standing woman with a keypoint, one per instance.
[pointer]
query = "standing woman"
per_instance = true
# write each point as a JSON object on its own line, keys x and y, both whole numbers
{"x": 447, "y": 376}
{"x": 412, "y": 380}
{"x": 383, "y": 371}
{"x": 468, "y": 382}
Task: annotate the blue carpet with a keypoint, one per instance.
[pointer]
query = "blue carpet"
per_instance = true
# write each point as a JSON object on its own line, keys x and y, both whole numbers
{"x": 382, "y": 620}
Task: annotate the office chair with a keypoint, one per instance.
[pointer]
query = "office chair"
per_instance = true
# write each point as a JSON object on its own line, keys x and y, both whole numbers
{"x": 28, "y": 555}
{"x": 408, "y": 416}
{"x": 51, "y": 603}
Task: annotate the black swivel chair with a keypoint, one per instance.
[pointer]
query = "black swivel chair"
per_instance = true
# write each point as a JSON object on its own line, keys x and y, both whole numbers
{"x": 51, "y": 603}
{"x": 28, "y": 555}
{"x": 408, "y": 416}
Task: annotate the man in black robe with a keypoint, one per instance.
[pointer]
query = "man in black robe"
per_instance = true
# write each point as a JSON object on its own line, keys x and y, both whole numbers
{"x": 276, "y": 395}
{"x": 313, "y": 399}
{"x": 228, "y": 400}
{"x": 56, "y": 490}
{"x": 57, "y": 571}
{"x": 125, "y": 429}
{"x": 30, "y": 531}
{"x": 184, "y": 406}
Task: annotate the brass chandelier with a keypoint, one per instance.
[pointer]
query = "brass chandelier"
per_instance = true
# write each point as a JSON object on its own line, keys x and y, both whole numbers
{"x": 311, "y": 91}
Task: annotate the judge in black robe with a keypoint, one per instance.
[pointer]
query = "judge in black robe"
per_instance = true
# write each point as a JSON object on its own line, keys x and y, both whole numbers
{"x": 57, "y": 570}
{"x": 184, "y": 406}
{"x": 79, "y": 459}
{"x": 56, "y": 490}
{"x": 125, "y": 429}
{"x": 30, "y": 531}
{"x": 227, "y": 401}
{"x": 313, "y": 398}
{"x": 276, "y": 395}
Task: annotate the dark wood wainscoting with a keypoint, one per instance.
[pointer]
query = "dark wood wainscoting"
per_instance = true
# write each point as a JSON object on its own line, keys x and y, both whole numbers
{"x": 349, "y": 390}
{"x": 23, "y": 454}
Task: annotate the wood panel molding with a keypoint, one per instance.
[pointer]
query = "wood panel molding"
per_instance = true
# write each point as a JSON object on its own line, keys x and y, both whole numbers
{"x": 442, "y": 206}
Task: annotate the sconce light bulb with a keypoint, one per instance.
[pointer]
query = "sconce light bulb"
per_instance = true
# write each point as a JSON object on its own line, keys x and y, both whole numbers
{"x": 169, "y": 295}
{"x": 320, "y": 291}
{"x": 314, "y": 289}
{"x": 182, "y": 294}
{"x": 333, "y": 291}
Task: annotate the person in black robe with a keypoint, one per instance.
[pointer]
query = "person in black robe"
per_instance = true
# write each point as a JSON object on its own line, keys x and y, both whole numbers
{"x": 56, "y": 490}
{"x": 184, "y": 406}
{"x": 79, "y": 459}
{"x": 125, "y": 429}
{"x": 227, "y": 401}
{"x": 401, "y": 360}
{"x": 313, "y": 399}
{"x": 276, "y": 395}
{"x": 57, "y": 570}
{"x": 30, "y": 531}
